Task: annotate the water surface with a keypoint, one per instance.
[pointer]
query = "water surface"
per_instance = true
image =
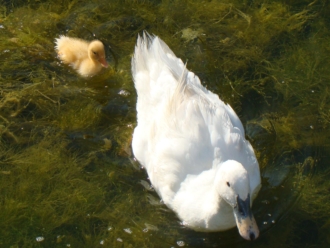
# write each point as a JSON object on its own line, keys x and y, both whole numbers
{"x": 67, "y": 175}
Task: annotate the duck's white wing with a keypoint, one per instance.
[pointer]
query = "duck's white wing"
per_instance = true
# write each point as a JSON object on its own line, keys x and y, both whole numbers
{"x": 155, "y": 81}
{"x": 183, "y": 129}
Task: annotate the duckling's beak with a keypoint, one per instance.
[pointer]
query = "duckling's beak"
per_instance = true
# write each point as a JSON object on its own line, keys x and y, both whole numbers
{"x": 103, "y": 62}
{"x": 245, "y": 221}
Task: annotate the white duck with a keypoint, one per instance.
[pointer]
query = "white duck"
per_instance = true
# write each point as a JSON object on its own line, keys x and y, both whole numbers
{"x": 86, "y": 57}
{"x": 192, "y": 144}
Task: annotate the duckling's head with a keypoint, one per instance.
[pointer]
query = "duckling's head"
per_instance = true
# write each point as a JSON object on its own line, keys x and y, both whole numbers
{"x": 233, "y": 185}
{"x": 96, "y": 52}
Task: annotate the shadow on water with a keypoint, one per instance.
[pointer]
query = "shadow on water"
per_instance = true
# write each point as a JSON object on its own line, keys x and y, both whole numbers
{"x": 67, "y": 174}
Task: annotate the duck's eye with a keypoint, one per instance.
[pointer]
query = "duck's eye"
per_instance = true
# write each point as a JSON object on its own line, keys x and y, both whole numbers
{"x": 228, "y": 184}
{"x": 94, "y": 52}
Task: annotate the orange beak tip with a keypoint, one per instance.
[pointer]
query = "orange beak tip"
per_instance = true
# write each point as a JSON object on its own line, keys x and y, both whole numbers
{"x": 103, "y": 62}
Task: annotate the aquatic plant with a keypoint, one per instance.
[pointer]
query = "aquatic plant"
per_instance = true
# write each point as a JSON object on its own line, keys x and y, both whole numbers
{"x": 67, "y": 175}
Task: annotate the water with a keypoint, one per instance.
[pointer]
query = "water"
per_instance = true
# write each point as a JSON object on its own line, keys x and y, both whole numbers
{"x": 68, "y": 178}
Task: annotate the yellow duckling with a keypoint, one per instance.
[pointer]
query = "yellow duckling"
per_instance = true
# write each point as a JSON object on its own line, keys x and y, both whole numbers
{"x": 87, "y": 58}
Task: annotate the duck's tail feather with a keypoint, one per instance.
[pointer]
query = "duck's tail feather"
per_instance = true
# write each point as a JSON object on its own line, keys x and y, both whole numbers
{"x": 152, "y": 54}
{"x": 159, "y": 74}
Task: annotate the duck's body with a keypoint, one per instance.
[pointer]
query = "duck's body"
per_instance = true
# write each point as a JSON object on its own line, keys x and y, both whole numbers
{"x": 87, "y": 58}
{"x": 192, "y": 144}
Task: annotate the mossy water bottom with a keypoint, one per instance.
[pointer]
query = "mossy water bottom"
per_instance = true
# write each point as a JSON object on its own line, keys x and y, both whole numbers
{"x": 67, "y": 175}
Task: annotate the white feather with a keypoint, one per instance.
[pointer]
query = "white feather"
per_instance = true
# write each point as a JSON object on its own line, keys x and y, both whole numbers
{"x": 184, "y": 136}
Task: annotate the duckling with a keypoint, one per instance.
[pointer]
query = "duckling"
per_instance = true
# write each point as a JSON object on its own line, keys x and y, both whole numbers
{"x": 87, "y": 58}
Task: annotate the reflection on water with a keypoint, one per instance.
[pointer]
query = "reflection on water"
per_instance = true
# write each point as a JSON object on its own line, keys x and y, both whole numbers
{"x": 68, "y": 178}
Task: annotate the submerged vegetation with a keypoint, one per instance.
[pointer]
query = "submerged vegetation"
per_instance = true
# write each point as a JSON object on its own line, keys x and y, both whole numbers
{"x": 67, "y": 175}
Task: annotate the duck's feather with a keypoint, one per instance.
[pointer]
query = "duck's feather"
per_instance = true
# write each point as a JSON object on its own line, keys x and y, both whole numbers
{"x": 184, "y": 131}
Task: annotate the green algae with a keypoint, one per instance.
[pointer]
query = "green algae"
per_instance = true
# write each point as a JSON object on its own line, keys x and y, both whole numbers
{"x": 67, "y": 173}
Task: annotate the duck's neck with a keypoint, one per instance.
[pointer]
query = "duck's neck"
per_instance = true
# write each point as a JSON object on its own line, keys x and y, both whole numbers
{"x": 198, "y": 203}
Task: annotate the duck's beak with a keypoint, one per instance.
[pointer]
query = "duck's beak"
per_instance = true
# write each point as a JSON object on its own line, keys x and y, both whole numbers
{"x": 245, "y": 221}
{"x": 103, "y": 62}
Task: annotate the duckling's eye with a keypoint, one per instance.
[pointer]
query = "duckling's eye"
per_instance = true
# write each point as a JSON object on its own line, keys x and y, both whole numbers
{"x": 94, "y": 52}
{"x": 228, "y": 184}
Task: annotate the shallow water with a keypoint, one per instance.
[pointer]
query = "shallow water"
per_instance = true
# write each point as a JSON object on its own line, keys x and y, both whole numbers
{"x": 67, "y": 175}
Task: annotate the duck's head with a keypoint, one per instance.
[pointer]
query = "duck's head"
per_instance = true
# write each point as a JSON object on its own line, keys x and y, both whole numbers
{"x": 233, "y": 185}
{"x": 96, "y": 52}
